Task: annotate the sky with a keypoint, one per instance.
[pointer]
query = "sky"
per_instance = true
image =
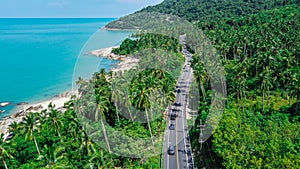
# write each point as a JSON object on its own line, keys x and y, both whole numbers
{"x": 71, "y": 8}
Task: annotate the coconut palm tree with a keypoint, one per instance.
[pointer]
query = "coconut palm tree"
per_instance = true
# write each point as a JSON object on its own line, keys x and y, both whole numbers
{"x": 87, "y": 145}
{"x": 73, "y": 126}
{"x": 30, "y": 125}
{"x": 55, "y": 120}
{"x": 102, "y": 107}
{"x": 3, "y": 151}
{"x": 54, "y": 157}
{"x": 100, "y": 159}
{"x": 141, "y": 101}
{"x": 116, "y": 96}
{"x": 13, "y": 127}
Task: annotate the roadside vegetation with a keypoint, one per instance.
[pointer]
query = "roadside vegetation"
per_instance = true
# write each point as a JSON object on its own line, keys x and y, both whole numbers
{"x": 260, "y": 126}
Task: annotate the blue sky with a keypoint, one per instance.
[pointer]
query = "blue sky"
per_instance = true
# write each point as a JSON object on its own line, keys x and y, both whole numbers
{"x": 71, "y": 8}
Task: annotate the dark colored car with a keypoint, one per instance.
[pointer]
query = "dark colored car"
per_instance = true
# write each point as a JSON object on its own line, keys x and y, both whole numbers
{"x": 173, "y": 116}
{"x": 172, "y": 127}
{"x": 177, "y": 104}
{"x": 174, "y": 110}
{"x": 189, "y": 152}
{"x": 171, "y": 150}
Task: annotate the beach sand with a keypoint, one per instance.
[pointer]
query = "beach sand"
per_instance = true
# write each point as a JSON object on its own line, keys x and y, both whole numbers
{"x": 23, "y": 110}
{"x": 106, "y": 52}
{"x": 126, "y": 63}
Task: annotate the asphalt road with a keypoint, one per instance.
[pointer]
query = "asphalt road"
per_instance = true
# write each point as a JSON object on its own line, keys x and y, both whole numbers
{"x": 179, "y": 136}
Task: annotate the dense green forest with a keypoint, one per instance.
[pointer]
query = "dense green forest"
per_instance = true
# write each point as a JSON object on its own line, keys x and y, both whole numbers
{"x": 139, "y": 42}
{"x": 260, "y": 126}
{"x": 260, "y": 50}
{"x": 205, "y": 10}
{"x": 202, "y": 10}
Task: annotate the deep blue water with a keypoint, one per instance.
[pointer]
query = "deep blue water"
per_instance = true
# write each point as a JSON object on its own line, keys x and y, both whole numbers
{"x": 38, "y": 56}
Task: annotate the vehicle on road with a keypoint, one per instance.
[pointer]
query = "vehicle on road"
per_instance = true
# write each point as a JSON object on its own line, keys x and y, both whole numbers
{"x": 171, "y": 150}
{"x": 175, "y": 110}
{"x": 172, "y": 127}
{"x": 177, "y": 104}
{"x": 189, "y": 152}
{"x": 173, "y": 116}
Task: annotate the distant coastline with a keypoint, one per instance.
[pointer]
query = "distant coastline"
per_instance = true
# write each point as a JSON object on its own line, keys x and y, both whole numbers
{"x": 118, "y": 29}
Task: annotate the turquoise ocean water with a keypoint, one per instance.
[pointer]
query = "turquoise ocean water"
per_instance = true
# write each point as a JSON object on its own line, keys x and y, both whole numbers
{"x": 38, "y": 56}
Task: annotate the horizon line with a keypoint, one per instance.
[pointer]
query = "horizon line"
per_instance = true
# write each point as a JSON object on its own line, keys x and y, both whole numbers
{"x": 58, "y": 17}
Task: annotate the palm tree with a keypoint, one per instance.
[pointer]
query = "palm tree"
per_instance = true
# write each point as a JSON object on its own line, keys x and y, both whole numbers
{"x": 102, "y": 106}
{"x": 127, "y": 102}
{"x": 13, "y": 127}
{"x": 3, "y": 151}
{"x": 141, "y": 101}
{"x": 73, "y": 122}
{"x": 100, "y": 159}
{"x": 30, "y": 126}
{"x": 82, "y": 85}
{"x": 201, "y": 76}
{"x": 55, "y": 121}
{"x": 54, "y": 157}
{"x": 121, "y": 80}
{"x": 87, "y": 145}
{"x": 115, "y": 96}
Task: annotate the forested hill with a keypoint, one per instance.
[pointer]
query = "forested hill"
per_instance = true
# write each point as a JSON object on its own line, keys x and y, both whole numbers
{"x": 206, "y": 10}
{"x": 202, "y": 10}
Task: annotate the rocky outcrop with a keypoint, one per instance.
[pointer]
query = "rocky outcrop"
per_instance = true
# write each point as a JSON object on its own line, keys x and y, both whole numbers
{"x": 3, "y": 104}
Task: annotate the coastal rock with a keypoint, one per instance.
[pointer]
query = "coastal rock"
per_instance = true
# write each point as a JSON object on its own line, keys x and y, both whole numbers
{"x": 107, "y": 53}
{"x": 18, "y": 114}
{"x": 18, "y": 117}
{"x": 125, "y": 64}
{"x": 22, "y": 103}
{"x": 37, "y": 108}
{"x": 3, "y": 104}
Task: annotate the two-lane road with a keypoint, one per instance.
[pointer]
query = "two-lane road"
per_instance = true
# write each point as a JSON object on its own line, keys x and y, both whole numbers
{"x": 179, "y": 136}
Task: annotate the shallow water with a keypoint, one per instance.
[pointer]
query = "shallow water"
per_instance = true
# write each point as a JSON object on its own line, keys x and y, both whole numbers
{"x": 38, "y": 56}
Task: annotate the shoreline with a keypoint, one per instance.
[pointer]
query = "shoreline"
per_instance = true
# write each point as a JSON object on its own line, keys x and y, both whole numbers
{"x": 118, "y": 29}
{"x": 21, "y": 111}
{"x": 126, "y": 62}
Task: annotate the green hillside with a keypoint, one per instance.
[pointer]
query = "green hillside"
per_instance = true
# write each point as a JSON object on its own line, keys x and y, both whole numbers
{"x": 204, "y": 10}
{"x": 261, "y": 55}
{"x": 260, "y": 126}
